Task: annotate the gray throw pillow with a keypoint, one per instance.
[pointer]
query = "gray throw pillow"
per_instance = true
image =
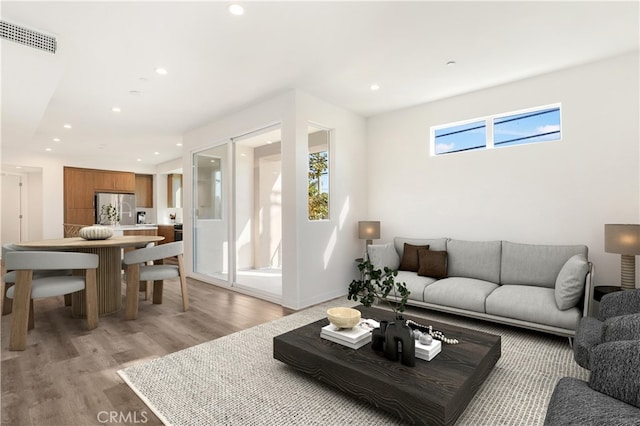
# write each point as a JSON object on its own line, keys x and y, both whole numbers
{"x": 381, "y": 255}
{"x": 570, "y": 282}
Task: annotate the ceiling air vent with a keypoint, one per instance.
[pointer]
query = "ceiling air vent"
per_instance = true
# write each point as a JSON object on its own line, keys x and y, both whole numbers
{"x": 27, "y": 37}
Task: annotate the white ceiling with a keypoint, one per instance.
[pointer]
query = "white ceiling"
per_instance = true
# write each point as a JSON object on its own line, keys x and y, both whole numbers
{"x": 219, "y": 63}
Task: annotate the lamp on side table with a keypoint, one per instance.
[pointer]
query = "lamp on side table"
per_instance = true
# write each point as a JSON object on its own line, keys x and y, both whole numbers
{"x": 624, "y": 239}
{"x": 368, "y": 230}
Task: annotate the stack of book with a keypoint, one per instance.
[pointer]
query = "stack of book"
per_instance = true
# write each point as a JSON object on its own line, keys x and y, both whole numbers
{"x": 354, "y": 338}
{"x": 427, "y": 352}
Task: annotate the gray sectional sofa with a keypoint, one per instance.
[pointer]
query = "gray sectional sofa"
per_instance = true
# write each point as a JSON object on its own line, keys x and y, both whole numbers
{"x": 540, "y": 287}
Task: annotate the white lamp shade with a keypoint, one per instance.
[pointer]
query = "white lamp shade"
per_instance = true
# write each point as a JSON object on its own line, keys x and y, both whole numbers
{"x": 622, "y": 239}
{"x": 369, "y": 230}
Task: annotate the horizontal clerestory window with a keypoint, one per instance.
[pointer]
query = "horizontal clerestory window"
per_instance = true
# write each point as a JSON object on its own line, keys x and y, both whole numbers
{"x": 541, "y": 124}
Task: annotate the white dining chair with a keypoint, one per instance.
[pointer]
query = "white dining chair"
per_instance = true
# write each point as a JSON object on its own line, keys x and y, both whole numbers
{"x": 138, "y": 270}
{"x": 9, "y": 278}
{"x": 27, "y": 287}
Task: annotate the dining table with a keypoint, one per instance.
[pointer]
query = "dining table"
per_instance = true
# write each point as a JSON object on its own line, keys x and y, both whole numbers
{"x": 109, "y": 272}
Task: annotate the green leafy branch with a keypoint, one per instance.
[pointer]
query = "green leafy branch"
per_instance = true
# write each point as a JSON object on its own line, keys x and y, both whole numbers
{"x": 375, "y": 284}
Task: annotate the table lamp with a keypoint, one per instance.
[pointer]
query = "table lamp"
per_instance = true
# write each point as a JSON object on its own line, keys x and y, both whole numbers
{"x": 368, "y": 230}
{"x": 624, "y": 240}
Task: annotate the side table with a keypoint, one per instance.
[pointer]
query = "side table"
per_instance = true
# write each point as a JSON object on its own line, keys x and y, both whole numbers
{"x": 600, "y": 291}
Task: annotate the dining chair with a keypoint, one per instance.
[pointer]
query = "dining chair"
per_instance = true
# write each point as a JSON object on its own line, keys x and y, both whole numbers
{"x": 138, "y": 270}
{"x": 145, "y": 286}
{"x": 27, "y": 287}
{"x": 9, "y": 276}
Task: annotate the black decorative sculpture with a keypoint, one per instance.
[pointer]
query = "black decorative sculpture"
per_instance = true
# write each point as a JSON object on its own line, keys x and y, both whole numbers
{"x": 395, "y": 340}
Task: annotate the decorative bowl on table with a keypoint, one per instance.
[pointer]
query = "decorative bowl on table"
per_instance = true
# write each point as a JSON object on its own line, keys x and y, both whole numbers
{"x": 343, "y": 317}
{"x": 95, "y": 232}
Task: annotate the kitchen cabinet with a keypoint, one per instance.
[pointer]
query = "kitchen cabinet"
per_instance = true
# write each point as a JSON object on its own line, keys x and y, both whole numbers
{"x": 143, "y": 231}
{"x": 109, "y": 181}
{"x": 80, "y": 186}
{"x": 166, "y": 231}
{"x": 174, "y": 190}
{"x": 144, "y": 191}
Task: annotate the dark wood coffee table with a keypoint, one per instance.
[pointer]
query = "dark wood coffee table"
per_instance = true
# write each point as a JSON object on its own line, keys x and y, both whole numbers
{"x": 433, "y": 392}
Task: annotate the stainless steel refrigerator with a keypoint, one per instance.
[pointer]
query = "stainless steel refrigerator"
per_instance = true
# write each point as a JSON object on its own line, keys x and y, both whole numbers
{"x": 125, "y": 205}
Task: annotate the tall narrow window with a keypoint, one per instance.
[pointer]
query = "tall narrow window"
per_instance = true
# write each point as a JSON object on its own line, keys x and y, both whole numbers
{"x": 318, "y": 201}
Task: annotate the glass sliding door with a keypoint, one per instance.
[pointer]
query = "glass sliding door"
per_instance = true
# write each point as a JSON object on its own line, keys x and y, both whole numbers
{"x": 211, "y": 219}
{"x": 258, "y": 212}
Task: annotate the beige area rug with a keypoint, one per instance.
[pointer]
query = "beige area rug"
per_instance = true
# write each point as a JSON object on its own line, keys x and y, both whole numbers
{"x": 234, "y": 380}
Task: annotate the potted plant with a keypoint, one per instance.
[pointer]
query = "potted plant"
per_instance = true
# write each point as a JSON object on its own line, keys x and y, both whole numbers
{"x": 376, "y": 285}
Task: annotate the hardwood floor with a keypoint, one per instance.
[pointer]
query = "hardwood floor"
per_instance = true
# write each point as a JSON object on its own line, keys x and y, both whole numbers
{"x": 67, "y": 375}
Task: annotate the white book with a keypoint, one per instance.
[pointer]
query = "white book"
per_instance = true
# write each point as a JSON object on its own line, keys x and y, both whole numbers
{"x": 428, "y": 352}
{"x": 358, "y": 345}
{"x": 351, "y": 335}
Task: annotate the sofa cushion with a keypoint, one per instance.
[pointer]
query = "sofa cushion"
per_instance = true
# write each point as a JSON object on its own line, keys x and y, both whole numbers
{"x": 432, "y": 263}
{"x": 410, "y": 260}
{"x": 533, "y": 304}
{"x": 381, "y": 255}
{"x": 415, "y": 284}
{"x": 570, "y": 282}
{"x": 462, "y": 293}
{"x": 534, "y": 264}
{"x": 433, "y": 243}
{"x": 474, "y": 259}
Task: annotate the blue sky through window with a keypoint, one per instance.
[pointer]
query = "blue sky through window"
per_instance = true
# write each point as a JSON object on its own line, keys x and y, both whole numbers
{"x": 515, "y": 129}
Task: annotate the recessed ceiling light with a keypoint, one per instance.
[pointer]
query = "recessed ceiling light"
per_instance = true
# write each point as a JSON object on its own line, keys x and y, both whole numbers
{"x": 116, "y": 109}
{"x": 139, "y": 160}
{"x": 374, "y": 87}
{"x": 161, "y": 71}
{"x": 179, "y": 144}
{"x": 67, "y": 126}
{"x": 48, "y": 149}
{"x": 18, "y": 167}
{"x": 236, "y": 9}
{"x": 269, "y": 142}
{"x": 451, "y": 63}
{"x": 156, "y": 153}
{"x": 56, "y": 139}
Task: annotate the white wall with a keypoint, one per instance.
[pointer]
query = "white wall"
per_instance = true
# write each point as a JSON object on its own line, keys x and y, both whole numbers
{"x": 557, "y": 193}
{"x": 327, "y": 249}
{"x": 317, "y": 257}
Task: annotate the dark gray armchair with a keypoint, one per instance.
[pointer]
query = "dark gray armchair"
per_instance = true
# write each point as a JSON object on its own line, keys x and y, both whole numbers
{"x": 612, "y": 395}
{"x": 618, "y": 319}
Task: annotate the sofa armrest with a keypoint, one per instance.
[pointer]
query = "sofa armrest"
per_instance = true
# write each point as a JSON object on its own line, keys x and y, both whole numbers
{"x": 625, "y": 327}
{"x": 620, "y": 303}
{"x": 615, "y": 368}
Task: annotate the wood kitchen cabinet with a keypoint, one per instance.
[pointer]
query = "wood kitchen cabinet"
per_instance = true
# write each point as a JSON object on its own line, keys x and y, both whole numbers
{"x": 144, "y": 191}
{"x": 145, "y": 231}
{"x": 166, "y": 231}
{"x": 109, "y": 181}
{"x": 80, "y": 186}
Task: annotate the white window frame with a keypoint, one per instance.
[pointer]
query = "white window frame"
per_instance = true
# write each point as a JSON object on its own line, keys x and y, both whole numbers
{"x": 489, "y": 129}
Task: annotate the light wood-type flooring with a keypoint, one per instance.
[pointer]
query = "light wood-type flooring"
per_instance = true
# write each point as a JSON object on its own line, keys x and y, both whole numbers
{"x": 67, "y": 375}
